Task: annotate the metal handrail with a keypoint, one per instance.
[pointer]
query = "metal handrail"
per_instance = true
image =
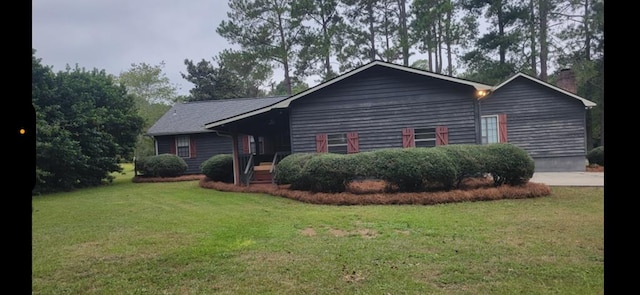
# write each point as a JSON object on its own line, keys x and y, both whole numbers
{"x": 276, "y": 159}
{"x": 248, "y": 171}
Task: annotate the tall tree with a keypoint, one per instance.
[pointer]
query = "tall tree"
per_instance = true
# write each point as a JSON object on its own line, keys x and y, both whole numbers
{"x": 86, "y": 124}
{"x": 153, "y": 94}
{"x": 583, "y": 50}
{"x": 247, "y": 69}
{"x": 498, "y": 52}
{"x": 280, "y": 89}
{"x": 149, "y": 83}
{"x": 211, "y": 83}
{"x": 403, "y": 30}
{"x": 267, "y": 28}
{"x": 358, "y": 41}
{"x": 321, "y": 25}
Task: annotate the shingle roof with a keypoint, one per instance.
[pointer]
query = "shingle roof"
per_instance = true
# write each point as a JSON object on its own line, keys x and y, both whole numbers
{"x": 587, "y": 103}
{"x": 190, "y": 117}
{"x": 284, "y": 103}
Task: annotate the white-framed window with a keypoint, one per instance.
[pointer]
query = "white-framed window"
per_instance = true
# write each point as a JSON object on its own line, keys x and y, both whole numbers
{"x": 337, "y": 143}
{"x": 425, "y": 137}
{"x": 182, "y": 146}
{"x": 489, "y": 132}
{"x": 260, "y": 145}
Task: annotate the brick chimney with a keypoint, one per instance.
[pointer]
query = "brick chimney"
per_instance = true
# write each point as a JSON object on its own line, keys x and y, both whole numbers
{"x": 567, "y": 81}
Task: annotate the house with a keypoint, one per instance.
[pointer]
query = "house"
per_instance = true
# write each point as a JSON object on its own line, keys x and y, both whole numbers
{"x": 384, "y": 105}
{"x": 181, "y": 131}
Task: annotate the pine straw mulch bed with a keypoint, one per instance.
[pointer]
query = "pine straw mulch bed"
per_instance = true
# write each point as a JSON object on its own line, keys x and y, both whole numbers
{"x": 371, "y": 192}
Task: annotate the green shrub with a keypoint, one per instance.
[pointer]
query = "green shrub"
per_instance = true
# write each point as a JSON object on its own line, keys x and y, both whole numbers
{"x": 596, "y": 156}
{"x": 289, "y": 170}
{"x": 410, "y": 170}
{"x": 218, "y": 168}
{"x": 508, "y": 164}
{"x": 362, "y": 164}
{"x": 164, "y": 165}
{"x": 467, "y": 160}
{"x": 328, "y": 173}
{"x": 438, "y": 168}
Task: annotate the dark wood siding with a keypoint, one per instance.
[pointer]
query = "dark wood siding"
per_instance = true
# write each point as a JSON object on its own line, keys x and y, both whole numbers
{"x": 378, "y": 104}
{"x": 207, "y": 145}
{"x": 546, "y": 123}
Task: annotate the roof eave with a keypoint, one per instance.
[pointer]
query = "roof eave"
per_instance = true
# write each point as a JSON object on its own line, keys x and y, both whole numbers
{"x": 587, "y": 103}
{"x": 286, "y": 102}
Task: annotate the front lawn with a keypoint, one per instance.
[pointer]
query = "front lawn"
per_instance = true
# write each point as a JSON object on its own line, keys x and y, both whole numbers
{"x": 180, "y": 238}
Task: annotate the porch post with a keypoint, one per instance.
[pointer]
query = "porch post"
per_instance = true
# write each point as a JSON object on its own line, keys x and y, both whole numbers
{"x": 236, "y": 162}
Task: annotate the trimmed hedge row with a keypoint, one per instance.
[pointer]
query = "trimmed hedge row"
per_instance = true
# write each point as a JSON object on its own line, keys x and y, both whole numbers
{"x": 407, "y": 170}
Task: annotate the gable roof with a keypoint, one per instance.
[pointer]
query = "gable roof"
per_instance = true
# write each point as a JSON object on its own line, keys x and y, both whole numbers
{"x": 190, "y": 117}
{"x": 377, "y": 63}
{"x": 587, "y": 103}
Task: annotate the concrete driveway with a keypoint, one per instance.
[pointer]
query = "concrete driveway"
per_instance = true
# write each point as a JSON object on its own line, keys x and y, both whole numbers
{"x": 569, "y": 178}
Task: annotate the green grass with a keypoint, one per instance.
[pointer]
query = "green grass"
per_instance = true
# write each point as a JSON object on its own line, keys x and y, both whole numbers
{"x": 178, "y": 238}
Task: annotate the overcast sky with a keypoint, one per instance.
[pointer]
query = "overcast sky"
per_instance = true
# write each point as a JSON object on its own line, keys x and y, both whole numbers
{"x": 110, "y": 35}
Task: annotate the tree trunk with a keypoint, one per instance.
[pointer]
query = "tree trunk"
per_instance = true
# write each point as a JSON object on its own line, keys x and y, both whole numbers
{"x": 532, "y": 36}
{"x": 544, "y": 46}
{"x": 372, "y": 39}
{"x": 285, "y": 54}
{"x": 404, "y": 35}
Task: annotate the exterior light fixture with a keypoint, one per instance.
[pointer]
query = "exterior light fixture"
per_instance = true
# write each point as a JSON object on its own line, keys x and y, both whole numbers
{"x": 482, "y": 93}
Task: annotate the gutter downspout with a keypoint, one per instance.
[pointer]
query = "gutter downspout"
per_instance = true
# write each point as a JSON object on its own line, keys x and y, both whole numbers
{"x": 236, "y": 162}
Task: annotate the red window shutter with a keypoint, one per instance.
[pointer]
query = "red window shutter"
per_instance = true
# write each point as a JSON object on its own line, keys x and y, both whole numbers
{"x": 408, "y": 138}
{"x": 352, "y": 143}
{"x": 172, "y": 146}
{"x": 192, "y": 146}
{"x": 442, "y": 135}
{"x": 502, "y": 128}
{"x": 321, "y": 143}
{"x": 245, "y": 145}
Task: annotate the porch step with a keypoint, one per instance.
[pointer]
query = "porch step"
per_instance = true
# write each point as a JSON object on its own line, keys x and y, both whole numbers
{"x": 261, "y": 173}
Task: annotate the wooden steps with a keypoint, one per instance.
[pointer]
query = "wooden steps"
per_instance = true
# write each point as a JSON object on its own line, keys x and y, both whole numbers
{"x": 261, "y": 173}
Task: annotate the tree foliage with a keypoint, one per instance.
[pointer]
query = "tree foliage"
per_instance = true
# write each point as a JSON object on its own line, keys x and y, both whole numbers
{"x": 149, "y": 84}
{"x": 85, "y": 124}
{"x": 265, "y": 28}
{"x": 153, "y": 94}
{"x": 321, "y": 25}
{"x": 247, "y": 69}
{"x": 481, "y": 40}
{"x": 211, "y": 83}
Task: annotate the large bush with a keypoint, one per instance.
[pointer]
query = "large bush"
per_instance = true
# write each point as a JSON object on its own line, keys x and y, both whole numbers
{"x": 328, "y": 173}
{"x": 290, "y": 170}
{"x": 508, "y": 164}
{"x": 411, "y": 170}
{"x": 163, "y": 165}
{"x": 467, "y": 160}
{"x": 85, "y": 123}
{"x": 596, "y": 156}
{"x": 218, "y": 168}
{"x": 362, "y": 164}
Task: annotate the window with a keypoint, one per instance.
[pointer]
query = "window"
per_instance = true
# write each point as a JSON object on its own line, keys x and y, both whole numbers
{"x": 425, "y": 137}
{"x": 260, "y": 145}
{"x": 489, "y": 129}
{"x": 494, "y": 128}
{"x": 337, "y": 143}
{"x": 182, "y": 144}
